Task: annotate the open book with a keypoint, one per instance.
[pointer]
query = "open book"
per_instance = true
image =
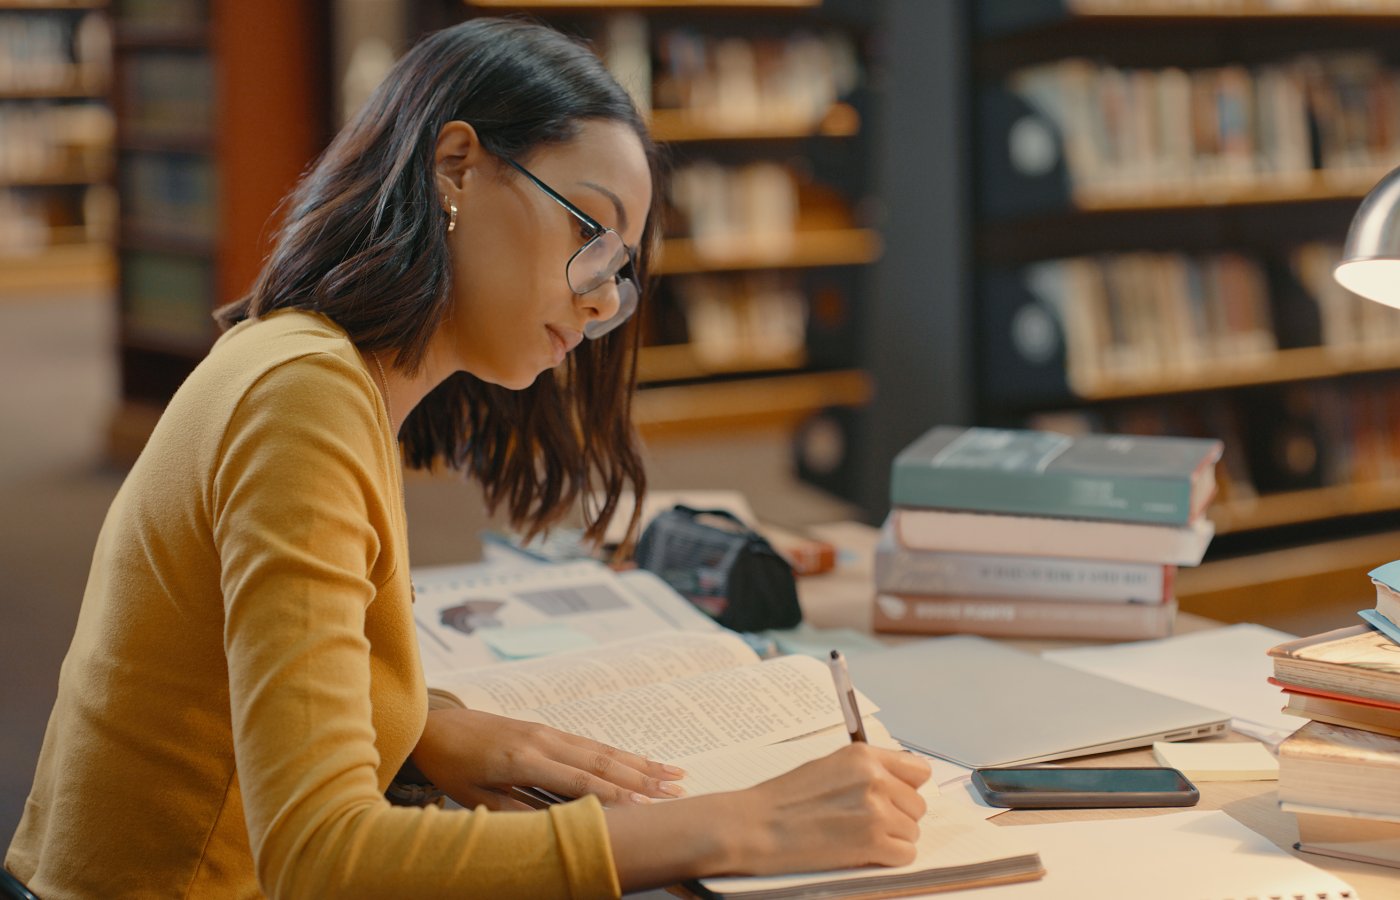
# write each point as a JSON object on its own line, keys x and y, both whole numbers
{"x": 707, "y": 703}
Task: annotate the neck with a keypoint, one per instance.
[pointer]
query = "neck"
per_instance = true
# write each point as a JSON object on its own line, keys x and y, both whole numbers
{"x": 402, "y": 393}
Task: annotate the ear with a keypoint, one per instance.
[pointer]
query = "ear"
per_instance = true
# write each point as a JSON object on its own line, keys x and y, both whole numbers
{"x": 457, "y": 155}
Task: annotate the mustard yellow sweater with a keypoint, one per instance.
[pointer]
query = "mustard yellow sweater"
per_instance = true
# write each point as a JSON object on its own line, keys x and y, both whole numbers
{"x": 244, "y": 680}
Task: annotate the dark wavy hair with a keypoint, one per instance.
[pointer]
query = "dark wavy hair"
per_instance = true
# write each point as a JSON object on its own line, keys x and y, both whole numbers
{"x": 365, "y": 243}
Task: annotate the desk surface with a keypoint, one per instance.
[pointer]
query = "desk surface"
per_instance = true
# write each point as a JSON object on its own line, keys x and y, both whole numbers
{"x": 842, "y": 599}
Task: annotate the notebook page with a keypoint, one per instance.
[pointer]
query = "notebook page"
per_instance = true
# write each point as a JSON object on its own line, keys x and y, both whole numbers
{"x": 586, "y": 673}
{"x": 733, "y": 770}
{"x": 1203, "y": 855}
{"x": 948, "y": 836}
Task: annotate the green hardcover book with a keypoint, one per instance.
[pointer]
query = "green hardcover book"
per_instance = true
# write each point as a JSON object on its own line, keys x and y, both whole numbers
{"x": 1150, "y": 480}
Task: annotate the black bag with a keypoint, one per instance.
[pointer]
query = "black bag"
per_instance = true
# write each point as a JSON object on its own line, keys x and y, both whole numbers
{"x": 733, "y": 574}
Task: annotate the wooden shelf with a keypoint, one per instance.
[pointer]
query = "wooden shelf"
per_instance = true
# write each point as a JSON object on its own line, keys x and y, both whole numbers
{"x": 148, "y": 37}
{"x": 1295, "y": 507}
{"x": 777, "y": 402}
{"x": 59, "y": 268}
{"x": 61, "y": 92}
{"x": 1263, "y": 190}
{"x": 190, "y": 146}
{"x": 673, "y": 126}
{"x": 1098, "y": 10}
{"x": 678, "y": 362}
{"x": 841, "y": 247}
{"x": 1279, "y": 367}
{"x": 585, "y": 5}
{"x": 50, "y": 5}
{"x": 134, "y": 237}
{"x": 55, "y": 179}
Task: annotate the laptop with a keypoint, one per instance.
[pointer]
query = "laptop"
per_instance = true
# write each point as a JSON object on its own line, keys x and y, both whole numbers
{"x": 978, "y": 703}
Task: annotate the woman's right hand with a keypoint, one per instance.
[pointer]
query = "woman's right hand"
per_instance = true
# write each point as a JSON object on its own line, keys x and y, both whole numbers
{"x": 858, "y": 806}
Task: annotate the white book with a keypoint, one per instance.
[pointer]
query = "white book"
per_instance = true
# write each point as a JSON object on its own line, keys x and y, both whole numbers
{"x": 966, "y": 532}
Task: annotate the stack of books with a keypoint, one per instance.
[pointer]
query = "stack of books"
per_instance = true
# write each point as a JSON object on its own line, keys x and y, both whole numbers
{"x": 1340, "y": 773}
{"x": 1015, "y": 533}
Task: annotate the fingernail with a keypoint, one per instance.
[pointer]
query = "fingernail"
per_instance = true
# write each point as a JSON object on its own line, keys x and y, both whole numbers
{"x": 673, "y": 770}
{"x": 640, "y": 798}
{"x": 672, "y": 789}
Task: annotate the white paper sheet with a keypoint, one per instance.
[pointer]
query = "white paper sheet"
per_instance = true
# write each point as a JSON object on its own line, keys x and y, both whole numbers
{"x": 1224, "y": 668}
{"x": 1202, "y": 855}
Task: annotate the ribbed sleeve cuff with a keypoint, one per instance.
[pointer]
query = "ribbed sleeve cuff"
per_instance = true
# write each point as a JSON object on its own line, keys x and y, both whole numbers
{"x": 582, "y": 832}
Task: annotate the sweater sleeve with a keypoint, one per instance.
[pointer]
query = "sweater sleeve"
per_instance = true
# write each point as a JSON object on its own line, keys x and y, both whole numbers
{"x": 300, "y": 508}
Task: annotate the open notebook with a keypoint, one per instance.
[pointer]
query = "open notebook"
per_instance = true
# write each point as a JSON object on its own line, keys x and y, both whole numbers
{"x": 956, "y": 848}
{"x": 706, "y": 703}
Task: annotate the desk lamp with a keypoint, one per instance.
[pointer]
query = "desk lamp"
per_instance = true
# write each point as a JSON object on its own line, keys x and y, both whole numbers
{"x": 1370, "y": 263}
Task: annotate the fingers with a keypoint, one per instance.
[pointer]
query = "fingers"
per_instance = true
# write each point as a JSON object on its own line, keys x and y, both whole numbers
{"x": 628, "y": 771}
{"x": 909, "y": 768}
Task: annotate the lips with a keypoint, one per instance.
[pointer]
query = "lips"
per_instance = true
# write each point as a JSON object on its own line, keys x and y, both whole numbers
{"x": 564, "y": 340}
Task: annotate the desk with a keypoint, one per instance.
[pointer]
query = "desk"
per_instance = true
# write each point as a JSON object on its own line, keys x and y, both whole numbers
{"x": 842, "y": 598}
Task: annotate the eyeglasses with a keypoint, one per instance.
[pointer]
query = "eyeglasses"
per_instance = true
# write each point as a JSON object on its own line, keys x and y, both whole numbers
{"x": 603, "y": 257}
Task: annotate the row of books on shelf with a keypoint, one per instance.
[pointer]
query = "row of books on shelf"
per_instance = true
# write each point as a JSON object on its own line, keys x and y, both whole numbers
{"x": 1296, "y": 438}
{"x": 167, "y": 96}
{"x": 171, "y": 194}
{"x": 1021, "y": 533}
{"x": 1340, "y": 773}
{"x": 730, "y": 81}
{"x": 721, "y": 206}
{"x": 163, "y": 14}
{"x": 47, "y": 52}
{"x": 1120, "y": 131}
{"x": 754, "y": 319}
{"x": 31, "y": 222}
{"x": 1155, "y": 315}
{"x": 1098, "y": 323}
{"x": 55, "y": 140}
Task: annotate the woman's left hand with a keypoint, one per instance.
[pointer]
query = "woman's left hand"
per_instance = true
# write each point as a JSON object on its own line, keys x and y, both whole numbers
{"x": 476, "y": 757}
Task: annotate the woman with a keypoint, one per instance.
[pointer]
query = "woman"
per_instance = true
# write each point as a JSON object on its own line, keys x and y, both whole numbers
{"x": 244, "y": 681}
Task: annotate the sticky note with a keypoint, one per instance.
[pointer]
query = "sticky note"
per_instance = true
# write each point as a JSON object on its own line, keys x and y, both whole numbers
{"x": 1219, "y": 760}
{"x": 526, "y": 641}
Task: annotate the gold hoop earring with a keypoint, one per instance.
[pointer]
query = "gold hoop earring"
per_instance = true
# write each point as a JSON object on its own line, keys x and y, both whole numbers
{"x": 451, "y": 217}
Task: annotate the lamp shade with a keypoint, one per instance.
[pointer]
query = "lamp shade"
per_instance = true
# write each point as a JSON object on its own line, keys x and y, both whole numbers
{"x": 1370, "y": 263}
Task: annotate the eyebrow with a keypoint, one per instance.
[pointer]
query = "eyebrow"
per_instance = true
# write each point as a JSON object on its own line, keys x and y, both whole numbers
{"x": 617, "y": 204}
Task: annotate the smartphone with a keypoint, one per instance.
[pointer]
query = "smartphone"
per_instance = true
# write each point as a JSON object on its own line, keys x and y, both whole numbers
{"x": 1061, "y": 787}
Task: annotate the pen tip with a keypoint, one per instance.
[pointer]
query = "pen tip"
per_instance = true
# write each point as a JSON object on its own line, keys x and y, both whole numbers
{"x": 836, "y": 654}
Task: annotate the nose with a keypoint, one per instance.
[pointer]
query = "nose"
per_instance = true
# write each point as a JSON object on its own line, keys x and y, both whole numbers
{"x": 601, "y": 303}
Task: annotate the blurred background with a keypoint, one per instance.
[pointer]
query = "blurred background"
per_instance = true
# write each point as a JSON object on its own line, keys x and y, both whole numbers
{"x": 1106, "y": 215}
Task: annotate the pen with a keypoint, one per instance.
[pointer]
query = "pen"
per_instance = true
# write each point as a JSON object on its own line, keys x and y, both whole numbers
{"x": 846, "y": 693}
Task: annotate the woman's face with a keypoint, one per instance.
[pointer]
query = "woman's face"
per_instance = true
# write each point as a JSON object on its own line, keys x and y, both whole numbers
{"x": 514, "y": 314}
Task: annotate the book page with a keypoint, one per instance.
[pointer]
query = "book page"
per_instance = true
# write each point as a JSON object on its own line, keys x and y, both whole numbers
{"x": 458, "y": 607}
{"x": 586, "y": 673}
{"x": 744, "y": 707}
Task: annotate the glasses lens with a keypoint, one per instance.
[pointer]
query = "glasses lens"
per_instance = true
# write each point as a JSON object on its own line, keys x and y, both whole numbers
{"x": 597, "y": 262}
{"x": 627, "y": 297}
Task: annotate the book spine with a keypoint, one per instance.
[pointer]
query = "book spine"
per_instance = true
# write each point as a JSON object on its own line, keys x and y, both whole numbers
{"x": 1154, "y": 501}
{"x": 1018, "y": 617}
{"x": 900, "y": 570}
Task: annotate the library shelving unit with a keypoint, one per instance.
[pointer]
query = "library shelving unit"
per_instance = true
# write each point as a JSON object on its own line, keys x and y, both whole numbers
{"x": 56, "y": 207}
{"x": 748, "y": 329}
{"x": 1148, "y": 200}
{"x": 220, "y": 106}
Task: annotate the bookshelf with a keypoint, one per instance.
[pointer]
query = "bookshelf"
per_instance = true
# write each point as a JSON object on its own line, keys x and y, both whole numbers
{"x": 200, "y": 86}
{"x": 751, "y": 321}
{"x": 56, "y": 204}
{"x": 1111, "y": 269}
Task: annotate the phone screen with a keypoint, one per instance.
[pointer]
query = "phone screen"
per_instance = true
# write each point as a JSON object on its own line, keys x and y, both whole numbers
{"x": 1076, "y": 781}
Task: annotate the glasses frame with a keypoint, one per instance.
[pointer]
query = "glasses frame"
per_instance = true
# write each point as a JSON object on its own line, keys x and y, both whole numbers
{"x": 627, "y": 272}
